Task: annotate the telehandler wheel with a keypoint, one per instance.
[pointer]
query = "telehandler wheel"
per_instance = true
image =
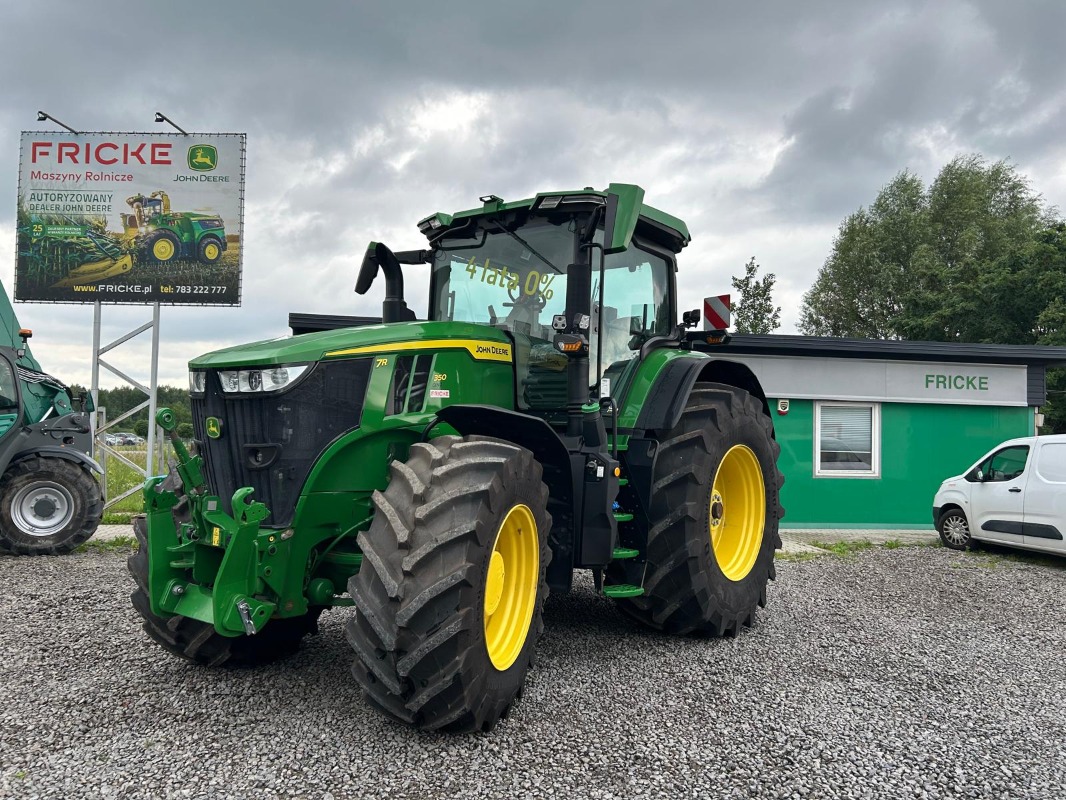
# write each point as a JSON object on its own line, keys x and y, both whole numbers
{"x": 198, "y": 641}
{"x": 450, "y": 593}
{"x": 714, "y": 517}
{"x": 48, "y": 506}
{"x": 163, "y": 247}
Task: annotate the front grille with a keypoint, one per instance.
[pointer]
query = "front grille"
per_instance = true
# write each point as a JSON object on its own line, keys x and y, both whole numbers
{"x": 270, "y": 441}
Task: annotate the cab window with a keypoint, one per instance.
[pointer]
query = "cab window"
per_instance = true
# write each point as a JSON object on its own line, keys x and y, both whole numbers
{"x": 1006, "y": 465}
{"x": 9, "y": 395}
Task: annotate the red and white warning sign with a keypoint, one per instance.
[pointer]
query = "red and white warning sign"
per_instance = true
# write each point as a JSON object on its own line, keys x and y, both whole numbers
{"x": 716, "y": 313}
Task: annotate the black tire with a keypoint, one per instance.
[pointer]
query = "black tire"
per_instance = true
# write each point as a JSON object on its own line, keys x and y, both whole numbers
{"x": 954, "y": 529}
{"x": 48, "y": 506}
{"x": 420, "y": 628}
{"x": 162, "y": 247}
{"x": 686, "y": 590}
{"x": 198, "y": 641}
{"x": 209, "y": 251}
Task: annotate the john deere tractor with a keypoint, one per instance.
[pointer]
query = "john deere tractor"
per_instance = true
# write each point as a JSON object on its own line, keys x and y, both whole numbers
{"x": 162, "y": 235}
{"x": 441, "y": 475}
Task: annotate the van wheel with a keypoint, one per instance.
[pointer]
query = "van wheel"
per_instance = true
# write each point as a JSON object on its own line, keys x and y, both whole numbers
{"x": 954, "y": 529}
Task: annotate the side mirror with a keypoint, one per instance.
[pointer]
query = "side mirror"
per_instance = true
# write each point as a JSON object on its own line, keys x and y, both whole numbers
{"x": 368, "y": 270}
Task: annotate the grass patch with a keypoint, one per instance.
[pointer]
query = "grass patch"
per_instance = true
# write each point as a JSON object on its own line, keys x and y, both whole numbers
{"x": 107, "y": 545}
{"x": 844, "y": 549}
{"x": 802, "y": 556}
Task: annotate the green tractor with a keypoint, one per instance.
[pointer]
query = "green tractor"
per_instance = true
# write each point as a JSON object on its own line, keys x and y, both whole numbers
{"x": 442, "y": 475}
{"x": 50, "y": 501}
{"x": 162, "y": 235}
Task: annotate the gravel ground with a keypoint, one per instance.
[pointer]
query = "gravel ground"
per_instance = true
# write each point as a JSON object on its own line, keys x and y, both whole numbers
{"x": 909, "y": 672}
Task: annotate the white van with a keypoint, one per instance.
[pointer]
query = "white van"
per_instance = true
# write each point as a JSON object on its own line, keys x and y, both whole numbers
{"x": 1014, "y": 495}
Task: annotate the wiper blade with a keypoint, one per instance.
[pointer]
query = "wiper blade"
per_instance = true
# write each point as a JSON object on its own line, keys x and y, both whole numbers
{"x": 526, "y": 245}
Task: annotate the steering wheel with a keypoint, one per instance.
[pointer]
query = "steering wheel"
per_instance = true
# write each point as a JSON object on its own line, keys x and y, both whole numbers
{"x": 536, "y": 302}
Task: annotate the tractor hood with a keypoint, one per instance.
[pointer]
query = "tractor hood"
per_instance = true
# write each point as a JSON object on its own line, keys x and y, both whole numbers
{"x": 347, "y": 342}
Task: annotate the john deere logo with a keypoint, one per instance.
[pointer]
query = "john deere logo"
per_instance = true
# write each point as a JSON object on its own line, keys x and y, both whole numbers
{"x": 213, "y": 426}
{"x": 203, "y": 157}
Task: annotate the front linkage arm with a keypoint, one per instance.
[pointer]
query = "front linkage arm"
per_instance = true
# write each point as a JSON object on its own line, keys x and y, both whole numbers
{"x": 215, "y": 567}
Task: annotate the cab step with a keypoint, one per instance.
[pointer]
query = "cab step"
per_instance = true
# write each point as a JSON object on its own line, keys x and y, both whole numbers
{"x": 623, "y": 590}
{"x": 624, "y": 552}
{"x": 622, "y": 516}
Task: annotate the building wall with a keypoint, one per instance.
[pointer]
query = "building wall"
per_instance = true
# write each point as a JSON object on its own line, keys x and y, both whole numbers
{"x": 921, "y": 445}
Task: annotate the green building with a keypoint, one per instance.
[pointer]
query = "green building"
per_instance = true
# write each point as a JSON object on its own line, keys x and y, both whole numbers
{"x": 868, "y": 429}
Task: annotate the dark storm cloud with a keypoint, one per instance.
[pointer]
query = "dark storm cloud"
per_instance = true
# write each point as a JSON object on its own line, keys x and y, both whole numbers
{"x": 985, "y": 77}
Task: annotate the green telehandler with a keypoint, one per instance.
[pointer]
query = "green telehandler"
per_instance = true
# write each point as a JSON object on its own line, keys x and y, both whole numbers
{"x": 441, "y": 475}
{"x": 50, "y": 501}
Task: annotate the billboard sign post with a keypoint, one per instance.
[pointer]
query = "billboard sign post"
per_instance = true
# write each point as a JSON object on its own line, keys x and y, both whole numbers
{"x": 130, "y": 218}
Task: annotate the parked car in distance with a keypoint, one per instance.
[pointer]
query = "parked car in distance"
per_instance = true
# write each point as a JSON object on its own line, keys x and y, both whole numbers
{"x": 1015, "y": 495}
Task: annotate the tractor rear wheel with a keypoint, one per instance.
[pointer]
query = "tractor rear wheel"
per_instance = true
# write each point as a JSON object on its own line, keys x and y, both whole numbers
{"x": 209, "y": 250}
{"x": 48, "y": 506}
{"x": 198, "y": 641}
{"x": 451, "y": 589}
{"x": 713, "y": 518}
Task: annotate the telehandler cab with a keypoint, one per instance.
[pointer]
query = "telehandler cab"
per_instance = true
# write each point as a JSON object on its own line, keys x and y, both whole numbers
{"x": 441, "y": 475}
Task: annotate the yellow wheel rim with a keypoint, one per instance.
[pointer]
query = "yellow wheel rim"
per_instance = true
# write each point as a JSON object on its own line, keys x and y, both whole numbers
{"x": 163, "y": 249}
{"x": 511, "y": 586}
{"x": 211, "y": 251}
{"x": 737, "y": 512}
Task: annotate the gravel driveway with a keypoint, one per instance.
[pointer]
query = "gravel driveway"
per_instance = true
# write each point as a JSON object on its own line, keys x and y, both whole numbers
{"x": 911, "y": 672}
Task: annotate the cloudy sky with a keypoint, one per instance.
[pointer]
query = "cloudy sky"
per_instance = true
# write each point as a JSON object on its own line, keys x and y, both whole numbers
{"x": 761, "y": 124}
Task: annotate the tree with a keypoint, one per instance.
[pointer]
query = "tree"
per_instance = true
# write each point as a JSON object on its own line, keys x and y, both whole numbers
{"x": 755, "y": 311}
{"x": 949, "y": 263}
{"x": 976, "y": 257}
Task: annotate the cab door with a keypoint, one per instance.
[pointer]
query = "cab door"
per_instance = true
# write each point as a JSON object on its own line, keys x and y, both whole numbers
{"x": 1045, "y": 498}
{"x": 997, "y": 499}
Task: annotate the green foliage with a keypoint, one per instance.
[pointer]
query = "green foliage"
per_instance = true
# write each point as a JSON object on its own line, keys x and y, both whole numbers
{"x": 755, "y": 311}
{"x": 185, "y": 430}
{"x": 975, "y": 257}
{"x": 121, "y": 399}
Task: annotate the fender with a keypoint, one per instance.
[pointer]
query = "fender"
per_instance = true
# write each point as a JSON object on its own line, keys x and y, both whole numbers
{"x": 66, "y": 454}
{"x": 537, "y": 436}
{"x": 668, "y": 396}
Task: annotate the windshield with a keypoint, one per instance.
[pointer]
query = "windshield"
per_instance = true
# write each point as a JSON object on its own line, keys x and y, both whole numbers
{"x": 494, "y": 279}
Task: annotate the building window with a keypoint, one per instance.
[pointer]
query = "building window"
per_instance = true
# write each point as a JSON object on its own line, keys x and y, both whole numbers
{"x": 847, "y": 440}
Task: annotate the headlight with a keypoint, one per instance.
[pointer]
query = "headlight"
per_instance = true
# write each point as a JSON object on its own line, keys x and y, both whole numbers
{"x": 270, "y": 379}
{"x": 197, "y": 381}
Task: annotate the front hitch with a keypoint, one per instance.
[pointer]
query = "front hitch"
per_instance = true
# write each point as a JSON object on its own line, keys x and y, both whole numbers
{"x": 214, "y": 567}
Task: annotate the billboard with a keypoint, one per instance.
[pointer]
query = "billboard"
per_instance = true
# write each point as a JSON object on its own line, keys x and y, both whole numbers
{"x": 130, "y": 218}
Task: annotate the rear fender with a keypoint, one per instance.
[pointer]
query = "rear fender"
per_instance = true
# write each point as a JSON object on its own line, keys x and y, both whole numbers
{"x": 669, "y": 394}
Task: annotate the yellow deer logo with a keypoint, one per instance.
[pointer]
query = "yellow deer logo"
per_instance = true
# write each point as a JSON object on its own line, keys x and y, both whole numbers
{"x": 203, "y": 157}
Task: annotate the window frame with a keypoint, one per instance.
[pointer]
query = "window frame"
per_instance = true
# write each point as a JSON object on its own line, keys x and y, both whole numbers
{"x": 875, "y": 440}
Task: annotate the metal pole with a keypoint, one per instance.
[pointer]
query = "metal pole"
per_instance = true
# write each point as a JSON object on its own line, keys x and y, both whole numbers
{"x": 95, "y": 388}
{"x": 150, "y": 455}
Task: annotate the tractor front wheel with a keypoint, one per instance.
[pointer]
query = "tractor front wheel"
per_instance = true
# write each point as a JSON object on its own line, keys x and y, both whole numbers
{"x": 163, "y": 247}
{"x": 48, "y": 506}
{"x": 713, "y": 518}
{"x": 451, "y": 589}
{"x": 198, "y": 641}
